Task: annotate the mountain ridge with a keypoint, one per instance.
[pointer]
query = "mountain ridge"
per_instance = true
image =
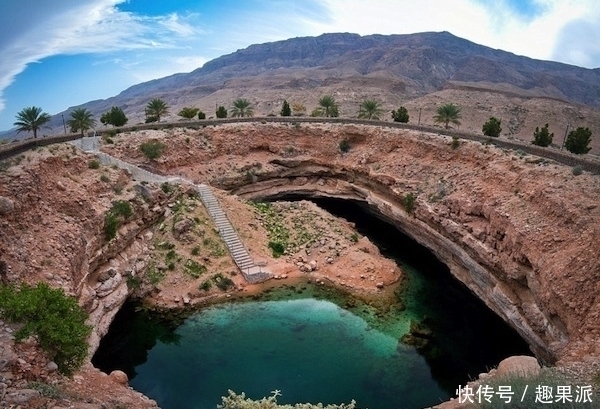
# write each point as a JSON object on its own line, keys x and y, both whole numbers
{"x": 394, "y": 69}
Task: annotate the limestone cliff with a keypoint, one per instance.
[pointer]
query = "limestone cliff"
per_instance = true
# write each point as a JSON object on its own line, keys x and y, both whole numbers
{"x": 520, "y": 231}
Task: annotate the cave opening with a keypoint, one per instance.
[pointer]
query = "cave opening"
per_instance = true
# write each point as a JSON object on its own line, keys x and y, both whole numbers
{"x": 475, "y": 339}
{"x": 466, "y": 338}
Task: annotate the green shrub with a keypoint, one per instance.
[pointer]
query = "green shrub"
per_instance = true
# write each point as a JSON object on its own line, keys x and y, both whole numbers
{"x": 206, "y": 285}
{"x": 55, "y": 318}
{"x": 578, "y": 141}
{"x": 401, "y": 115}
{"x": 541, "y": 137}
{"x": 235, "y": 401}
{"x": 94, "y": 164}
{"x": 195, "y": 251}
{"x": 194, "y": 268}
{"x": 104, "y": 178}
{"x": 46, "y": 390}
{"x": 277, "y": 248}
{"x": 344, "y": 145}
{"x": 408, "y": 202}
{"x": 152, "y": 149}
{"x": 492, "y": 127}
{"x": 111, "y": 225}
{"x": 166, "y": 187}
{"x": 153, "y": 274}
{"x": 224, "y": 283}
{"x": 455, "y": 142}
{"x": 120, "y": 210}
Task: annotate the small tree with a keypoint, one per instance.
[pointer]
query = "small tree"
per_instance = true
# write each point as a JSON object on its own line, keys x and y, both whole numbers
{"x": 401, "y": 115}
{"x": 241, "y": 108}
{"x": 492, "y": 127}
{"x": 221, "y": 112}
{"x": 31, "y": 119}
{"x": 298, "y": 109}
{"x": 188, "y": 112}
{"x": 201, "y": 115}
{"x": 114, "y": 117}
{"x": 54, "y": 318}
{"x": 327, "y": 107}
{"x": 579, "y": 140}
{"x": 286, "y": 110}
{"x": 541, "y": 137}
{"x": 152, "y": 149}
{"x": 81, "y": 120}
{"x": 155, "y": 109}
{"x": 446, "y": 114}
{"x": 370, "y": 109}
{"x": 344, "y": 145}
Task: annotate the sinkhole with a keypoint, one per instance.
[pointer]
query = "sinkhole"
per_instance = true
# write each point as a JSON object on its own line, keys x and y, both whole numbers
{"x": 316, "y": 344}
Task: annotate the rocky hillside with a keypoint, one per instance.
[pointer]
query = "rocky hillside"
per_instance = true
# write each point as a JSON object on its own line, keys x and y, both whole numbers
{"x": 416, "y": 70}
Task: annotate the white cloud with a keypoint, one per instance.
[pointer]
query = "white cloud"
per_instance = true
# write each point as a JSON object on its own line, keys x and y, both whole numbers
{"x": 95, "y": 26}
{"x": 490, "y": 23}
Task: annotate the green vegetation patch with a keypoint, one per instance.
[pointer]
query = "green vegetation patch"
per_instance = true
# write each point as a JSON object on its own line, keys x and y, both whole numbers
{"x": 152, "y": 149}
{"x": 409, "y": 201}
{"x": 277, "y": 248}
{"x": 235, "y": 401}
{"x": 193, "y": 268}
{"x": 120, "y": 211}
{"x": 273, "y": 221}
{"x": 224, "y": 283}
{"x": 53, "y": 317}
{"x": 153, "y": 274}
{"x": 217, "y": 249}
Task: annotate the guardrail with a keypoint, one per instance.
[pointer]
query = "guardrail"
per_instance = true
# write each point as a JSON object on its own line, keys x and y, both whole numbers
{"x": 587, "y": 162}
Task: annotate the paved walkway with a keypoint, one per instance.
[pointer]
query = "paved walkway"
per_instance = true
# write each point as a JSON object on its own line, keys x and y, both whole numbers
{"x": 251, "y": 271}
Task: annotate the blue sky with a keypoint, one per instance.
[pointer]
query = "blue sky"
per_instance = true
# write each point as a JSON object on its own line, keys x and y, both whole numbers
{"x": 62, "y": 53}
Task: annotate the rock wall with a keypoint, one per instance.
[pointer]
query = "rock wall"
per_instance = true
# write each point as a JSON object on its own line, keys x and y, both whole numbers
{"x": 53, "y": 230}
{"x": 509, "y": 286}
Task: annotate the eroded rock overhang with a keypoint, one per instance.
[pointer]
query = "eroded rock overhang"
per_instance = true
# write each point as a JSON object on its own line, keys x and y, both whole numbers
{"x": 469, "y": 260}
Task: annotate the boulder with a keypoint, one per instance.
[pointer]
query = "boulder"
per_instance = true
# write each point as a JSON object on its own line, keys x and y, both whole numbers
{"x": 182, "y": 227}
{"x": 21, "y": 396}
{"x": 6, "y": 205}
{"x": 107, "y": 275}
{"x": 522, "y": 365}
{"x": 119, "y": 377}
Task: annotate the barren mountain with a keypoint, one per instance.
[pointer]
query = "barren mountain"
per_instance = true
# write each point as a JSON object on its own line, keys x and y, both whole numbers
{"x": 418, "y": 71}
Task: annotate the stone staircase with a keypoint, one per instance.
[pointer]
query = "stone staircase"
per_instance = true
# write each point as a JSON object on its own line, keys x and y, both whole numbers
{"x": 252, "y": 272}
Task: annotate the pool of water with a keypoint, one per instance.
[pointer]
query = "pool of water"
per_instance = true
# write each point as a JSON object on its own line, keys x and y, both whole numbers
{"x": 310, "y": 349}
{"x": 316, "y": 344}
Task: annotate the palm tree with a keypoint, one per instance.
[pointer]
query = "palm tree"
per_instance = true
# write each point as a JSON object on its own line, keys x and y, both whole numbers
{"x": 447, "y": 113}
{"x": 81, "y": 120}
{"x": 327, "y": 107}
{"x": 31, "y": 119}
{"x": 370, "y": 109}
{"x": 241, "y": 107}
{"x": 155, "y": 109}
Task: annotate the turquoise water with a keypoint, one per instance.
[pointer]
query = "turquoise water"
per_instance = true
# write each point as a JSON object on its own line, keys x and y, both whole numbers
{"x": 315, "y": 344}
{"x": 312, "y": 350}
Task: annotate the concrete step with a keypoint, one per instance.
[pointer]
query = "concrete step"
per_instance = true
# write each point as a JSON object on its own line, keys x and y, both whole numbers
{"x": 242, "y": 261}
{"x": 240, "y": 252}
